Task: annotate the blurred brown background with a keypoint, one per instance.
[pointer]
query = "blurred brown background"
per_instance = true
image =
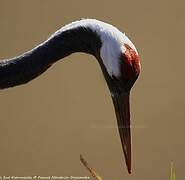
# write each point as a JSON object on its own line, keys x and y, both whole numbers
{"x": 46, "y": 124}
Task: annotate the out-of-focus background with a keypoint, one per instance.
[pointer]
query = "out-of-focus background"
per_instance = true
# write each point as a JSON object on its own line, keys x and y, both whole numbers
{"x": 46, "y": 124}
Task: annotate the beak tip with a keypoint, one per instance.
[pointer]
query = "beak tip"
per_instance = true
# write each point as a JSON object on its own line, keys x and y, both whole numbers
{"x": 129, "y": 171}
{"x": 129, "y": 168}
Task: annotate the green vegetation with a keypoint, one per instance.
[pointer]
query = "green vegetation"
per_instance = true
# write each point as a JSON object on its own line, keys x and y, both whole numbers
{"x": 173, "y": 174}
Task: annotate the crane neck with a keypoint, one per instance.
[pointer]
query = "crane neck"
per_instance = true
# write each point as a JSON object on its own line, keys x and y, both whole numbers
{"x": 23, "y": 68}
{"x": 63, "y": 43}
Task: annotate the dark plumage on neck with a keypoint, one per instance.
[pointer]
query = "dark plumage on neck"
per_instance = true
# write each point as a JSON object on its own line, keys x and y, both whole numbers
{"x": 22, "y": 69}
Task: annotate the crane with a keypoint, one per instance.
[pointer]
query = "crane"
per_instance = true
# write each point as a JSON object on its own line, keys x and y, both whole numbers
{"x": 115, "y": 53}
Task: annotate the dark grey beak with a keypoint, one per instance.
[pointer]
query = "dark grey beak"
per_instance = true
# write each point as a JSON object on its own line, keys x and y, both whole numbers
{"x": 122, "y": 110}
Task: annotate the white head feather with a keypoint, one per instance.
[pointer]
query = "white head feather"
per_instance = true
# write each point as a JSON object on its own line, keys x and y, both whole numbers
{"x": 112, "y": 39}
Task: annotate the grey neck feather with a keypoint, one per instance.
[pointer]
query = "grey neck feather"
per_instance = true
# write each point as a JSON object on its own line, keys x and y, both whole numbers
{"x": 22, "y": 69}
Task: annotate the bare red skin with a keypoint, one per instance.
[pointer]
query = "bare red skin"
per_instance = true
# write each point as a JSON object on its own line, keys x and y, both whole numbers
{"x": 131, "y": 66}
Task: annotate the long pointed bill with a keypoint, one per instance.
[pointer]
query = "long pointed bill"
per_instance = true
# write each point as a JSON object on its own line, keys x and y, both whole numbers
{"x": 122, "y": 109}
